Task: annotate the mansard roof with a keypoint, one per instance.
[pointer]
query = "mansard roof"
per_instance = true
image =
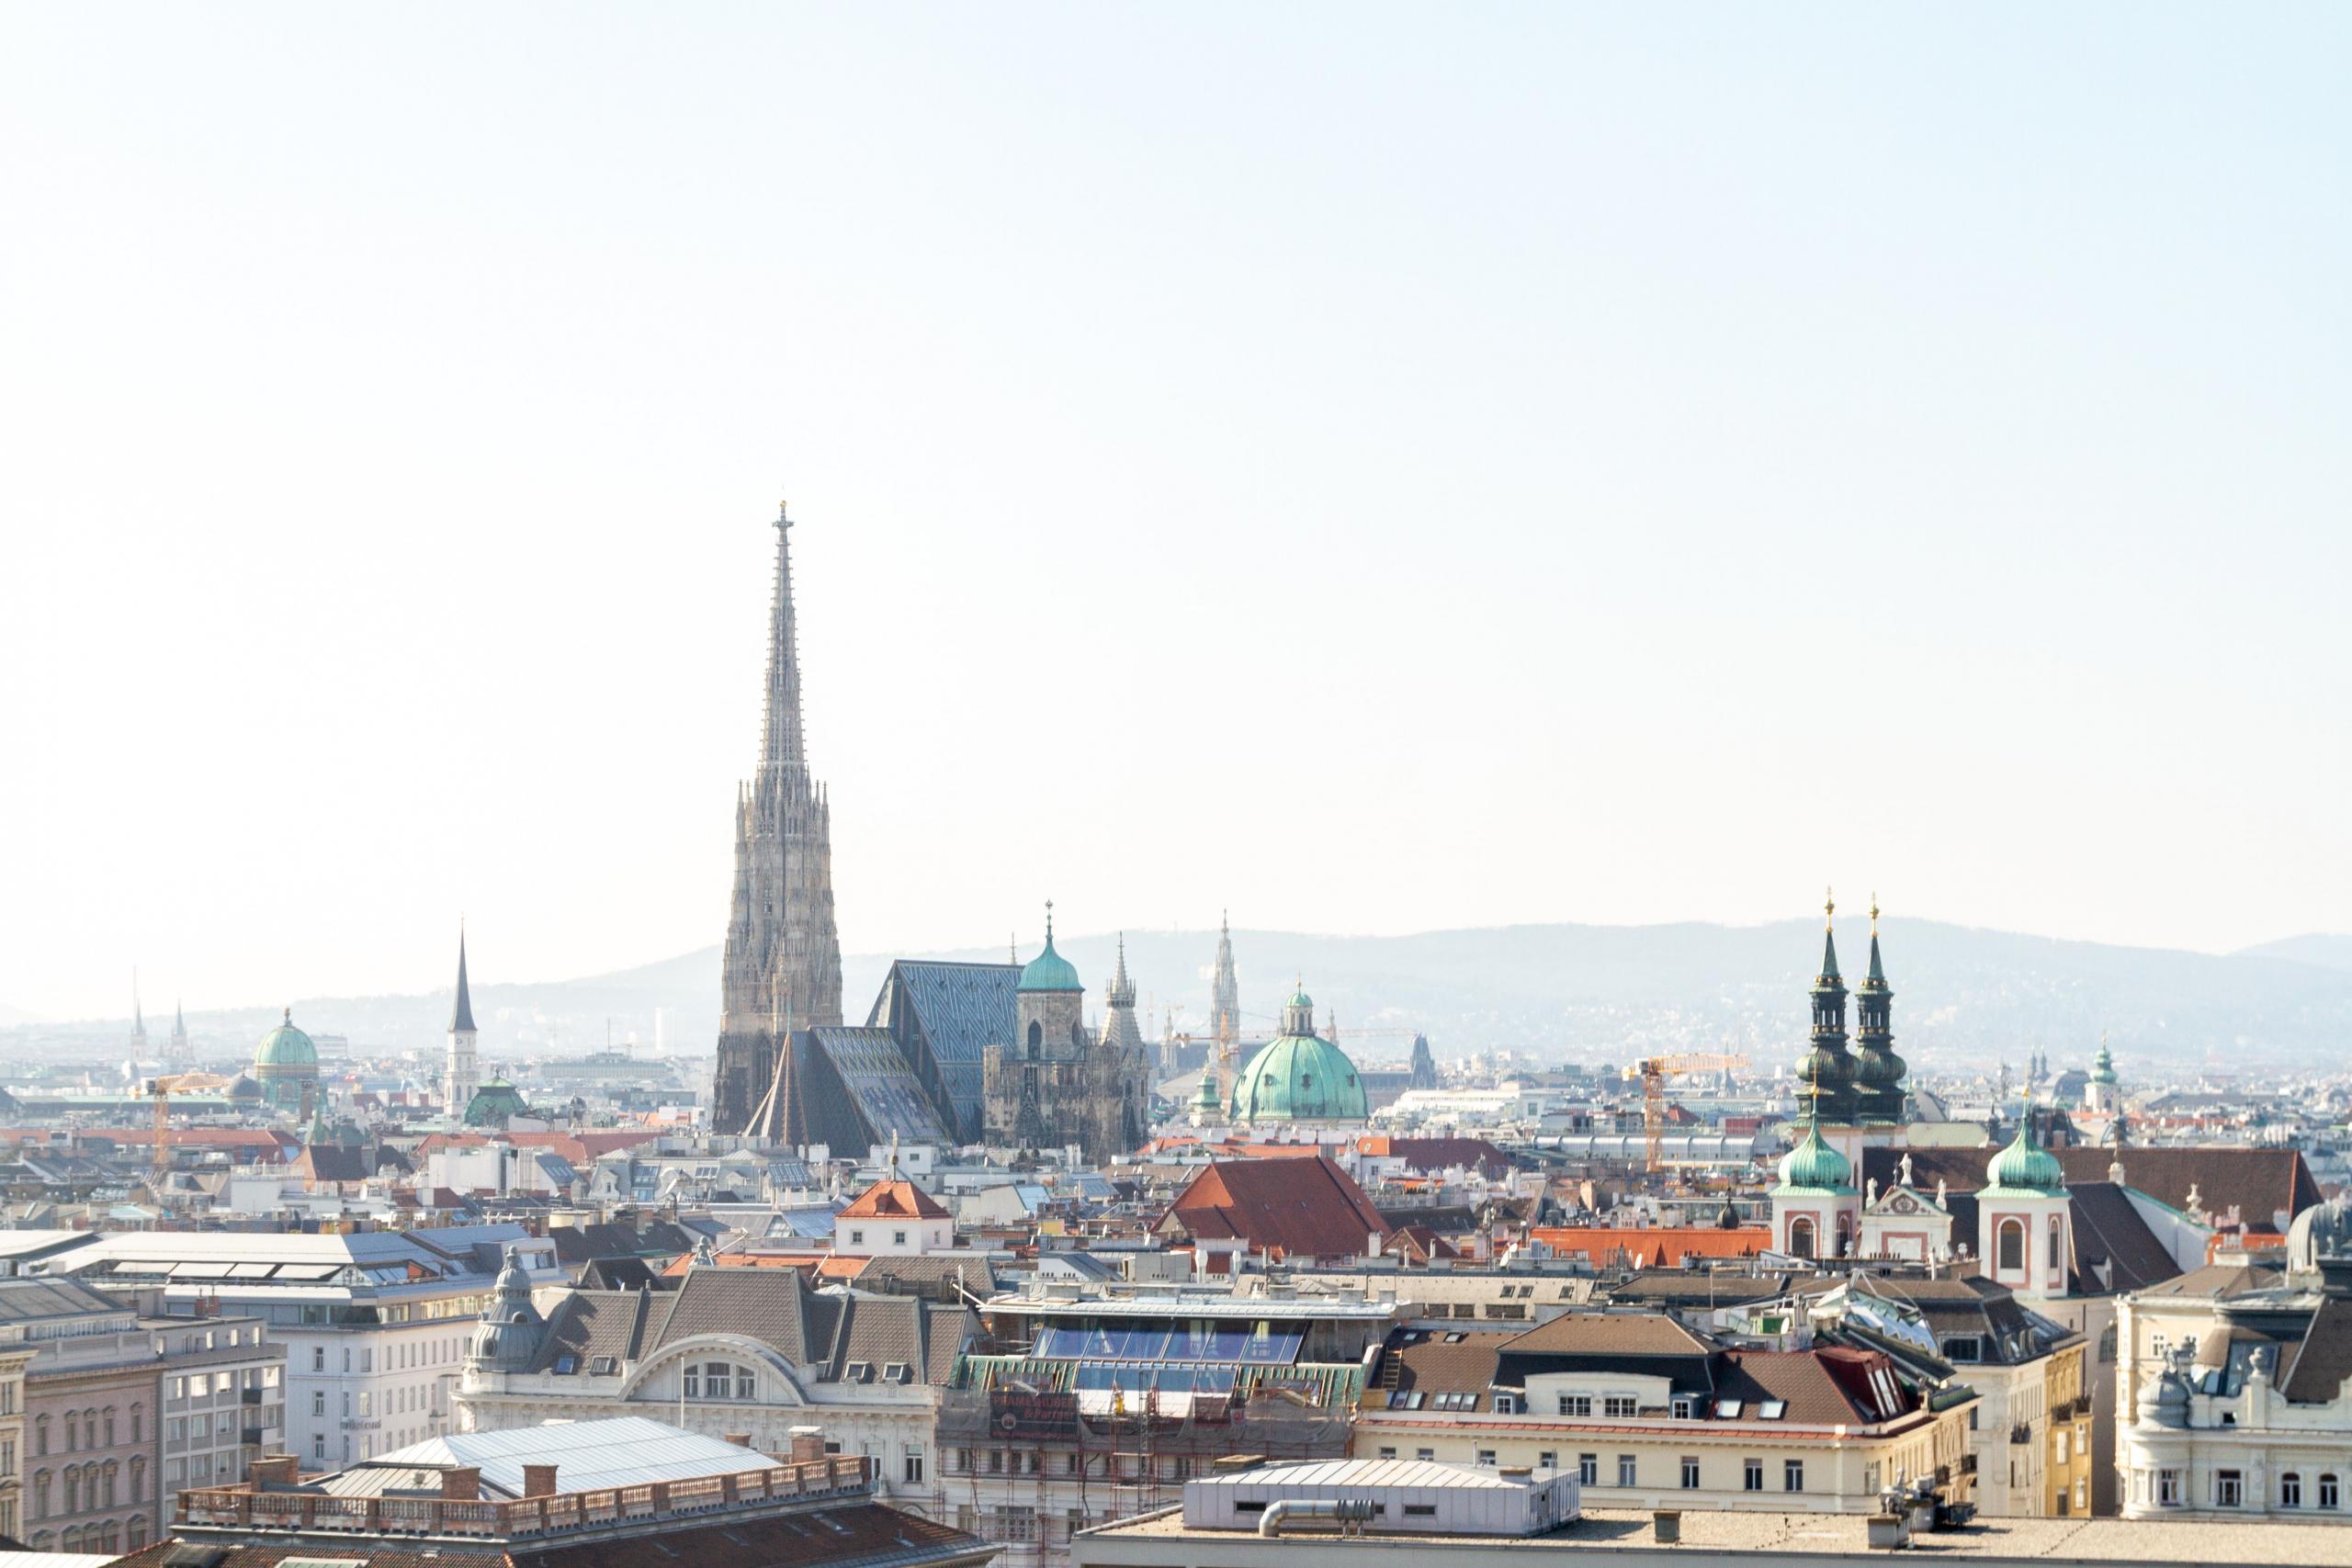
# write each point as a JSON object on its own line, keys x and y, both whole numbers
{"x": 826, "y": 1334}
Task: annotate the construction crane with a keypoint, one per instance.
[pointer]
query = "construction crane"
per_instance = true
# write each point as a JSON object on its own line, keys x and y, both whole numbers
{"x": 161, "y": 1091}
{"x": 1654, "y": 1071}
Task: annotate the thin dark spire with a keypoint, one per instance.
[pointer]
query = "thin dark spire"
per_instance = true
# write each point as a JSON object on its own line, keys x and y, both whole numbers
{"x": 1829, "y": 938}
{"x": 780, "y": 737}
{"x": 461, "y": 1017}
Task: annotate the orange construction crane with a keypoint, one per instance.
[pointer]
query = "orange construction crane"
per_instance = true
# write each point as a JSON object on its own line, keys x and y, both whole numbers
{"x": 1654, "y": 1071}
{"x": 161, "y": 1090}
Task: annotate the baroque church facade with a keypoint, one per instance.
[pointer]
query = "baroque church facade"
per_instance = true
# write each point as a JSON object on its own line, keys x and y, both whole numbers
{"x": 782, "y": 967}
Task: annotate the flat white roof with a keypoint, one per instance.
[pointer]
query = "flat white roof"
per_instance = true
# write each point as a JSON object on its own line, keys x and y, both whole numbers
{"x": 1366, "y": 1473}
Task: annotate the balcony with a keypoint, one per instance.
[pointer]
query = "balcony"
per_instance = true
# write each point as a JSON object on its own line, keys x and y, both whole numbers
{"x": 252, "y": 1437}
{"x": 249, "y": 1395}
{"x": 2020, "y": 1435}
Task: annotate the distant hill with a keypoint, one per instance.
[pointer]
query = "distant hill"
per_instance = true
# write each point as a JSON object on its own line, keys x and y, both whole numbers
{"x": 2326, "y": 950}
{"x": 1963, "y": 996}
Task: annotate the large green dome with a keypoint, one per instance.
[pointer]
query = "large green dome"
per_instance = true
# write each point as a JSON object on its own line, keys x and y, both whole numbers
{"x": 2025, "y": 1168}
{"x": 1049, "y": 971}
{"x": 1299, "y": 1077}
{"x": 286, "y": 1046}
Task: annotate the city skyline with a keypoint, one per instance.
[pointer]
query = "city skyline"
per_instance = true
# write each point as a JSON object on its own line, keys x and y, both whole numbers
{"x": 1973, "y": 539}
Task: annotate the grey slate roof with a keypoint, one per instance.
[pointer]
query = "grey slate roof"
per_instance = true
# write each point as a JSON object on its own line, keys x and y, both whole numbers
{"x": 949, "y": 1013}
{"x": 825, "y": 1333}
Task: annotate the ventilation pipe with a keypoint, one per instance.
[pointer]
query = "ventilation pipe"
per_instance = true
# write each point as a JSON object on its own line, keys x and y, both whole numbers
{"x": 1348, "y": 1514}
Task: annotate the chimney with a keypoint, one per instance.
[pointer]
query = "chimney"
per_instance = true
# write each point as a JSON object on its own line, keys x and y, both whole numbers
{"x": 278, "y": 1469}
{"x": 461, "y": 1484}
{"x": 808, "y": 1445}
{"x": 539, "y": 1481}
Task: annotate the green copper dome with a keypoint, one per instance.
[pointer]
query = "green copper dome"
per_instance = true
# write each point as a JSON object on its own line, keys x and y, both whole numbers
{"x": 492, "y": 1103}
{"x": 2104, "y": 1071}
{"x": 2025, "y": 1168}
{"x": 1299, "y": 1077}
{"x": 1049, "y": 971}
{"x": 286, "y": 1046}
{"x": 1813, "y": 1167}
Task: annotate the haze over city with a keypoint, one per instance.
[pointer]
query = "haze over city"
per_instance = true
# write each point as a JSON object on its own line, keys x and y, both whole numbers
{"x": 1372, "y": 472}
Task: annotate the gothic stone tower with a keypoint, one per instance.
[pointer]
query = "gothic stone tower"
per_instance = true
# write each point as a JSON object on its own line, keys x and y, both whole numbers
{"x": 782, "y": 969}
{"x": 1057, "y": 1083}
{"x": 1225, "y": 1013}
{"x": 462, "y": 1075}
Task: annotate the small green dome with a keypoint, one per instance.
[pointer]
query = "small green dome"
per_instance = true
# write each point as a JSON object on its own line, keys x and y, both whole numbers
{"x": 494, "y": 1102}
{"x": 286, "y": 1046}
{"x": 1049, "y": 971}
{"x": 2025, "y": 1168}
{"x": 2104, "y": 1072}
{"x": 1299, "y": 1077}
{"x": 1813, "y": 1166}
{"x": 1299, "y": 998}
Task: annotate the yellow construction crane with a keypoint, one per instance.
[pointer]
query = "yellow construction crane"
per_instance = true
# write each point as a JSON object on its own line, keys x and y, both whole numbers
{"x": 161, "y": 1090}
{"x": 1654, "y": 1071}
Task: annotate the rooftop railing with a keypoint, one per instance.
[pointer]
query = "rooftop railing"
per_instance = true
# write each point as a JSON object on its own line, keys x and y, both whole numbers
{"x": 247, "y": 1508}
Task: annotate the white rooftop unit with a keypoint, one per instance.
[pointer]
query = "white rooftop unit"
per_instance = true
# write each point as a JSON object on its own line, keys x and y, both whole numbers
{"x": 1402, "y": 1496}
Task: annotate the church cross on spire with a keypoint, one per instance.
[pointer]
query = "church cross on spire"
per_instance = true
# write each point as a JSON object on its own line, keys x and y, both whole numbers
{"x": 780, "y": 737}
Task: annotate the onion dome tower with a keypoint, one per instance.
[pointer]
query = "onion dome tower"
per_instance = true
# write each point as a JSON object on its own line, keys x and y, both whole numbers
{"x": 1826, "y": 1071}
{"x": 2105, "y": 1093}
{"x": 1878, "y": 1071}
{"x": 2024, "y": 1216}
{"x": 509, "y": 1335}
{"x": 1816, "y": 1211}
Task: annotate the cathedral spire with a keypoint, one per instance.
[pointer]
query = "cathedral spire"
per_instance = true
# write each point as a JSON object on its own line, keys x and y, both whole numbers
{"x": 780, "y": 739}
{"x": 782, "y": 972}
{"x": 461, "y": 1017}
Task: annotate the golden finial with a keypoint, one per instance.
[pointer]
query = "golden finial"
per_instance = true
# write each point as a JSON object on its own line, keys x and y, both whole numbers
{"x": 1873, "y": 913}
{"x": 1828, "y": 909}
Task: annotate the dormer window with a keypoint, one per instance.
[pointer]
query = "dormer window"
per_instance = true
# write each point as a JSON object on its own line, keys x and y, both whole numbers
{"x": 857, "y": 1371}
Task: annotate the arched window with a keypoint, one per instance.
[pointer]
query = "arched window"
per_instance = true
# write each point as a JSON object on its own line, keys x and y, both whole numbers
{"x": 109, "y": 1419}
{"x": 112, "y": 1538}
{"x": 40, "y": 1435}
{"x": 136, "y": 1423}
{"x": 137, "y": 1534}
{"x": 70, "y": 1542}
{"x": 41, "y": 1495}
{"x": 1801, "y": 1236}
{"x": 2008, "y": 1244}
{"x": 2290, "y": 1490}
{"x": 139, "y": 1478}
{"x": 73, "y": 1497}
{"x": 1036, "y": 1038}
{"x": 2057, "y": 1229}
{"x": 2330, "y": 1496}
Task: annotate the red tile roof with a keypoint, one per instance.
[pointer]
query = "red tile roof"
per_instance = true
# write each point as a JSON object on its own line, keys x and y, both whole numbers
{"x": 894, "y": 1200}
{"x": 1286, "y": 1208}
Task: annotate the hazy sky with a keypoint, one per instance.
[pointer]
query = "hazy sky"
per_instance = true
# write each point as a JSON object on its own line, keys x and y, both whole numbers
{"x": 1377, "y": 468}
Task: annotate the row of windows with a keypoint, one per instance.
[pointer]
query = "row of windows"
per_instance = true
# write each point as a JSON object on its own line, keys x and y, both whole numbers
{"x": 2171, "y": 1489}
{"x": 108, "y": 1536}
{"x": 1629, "y": 1469}
{"x": 87, "y": 1486}
{"x": 396, "y": 1401}
{"x": 87, "y": 1425}
{"x": 398, "y": 1356}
